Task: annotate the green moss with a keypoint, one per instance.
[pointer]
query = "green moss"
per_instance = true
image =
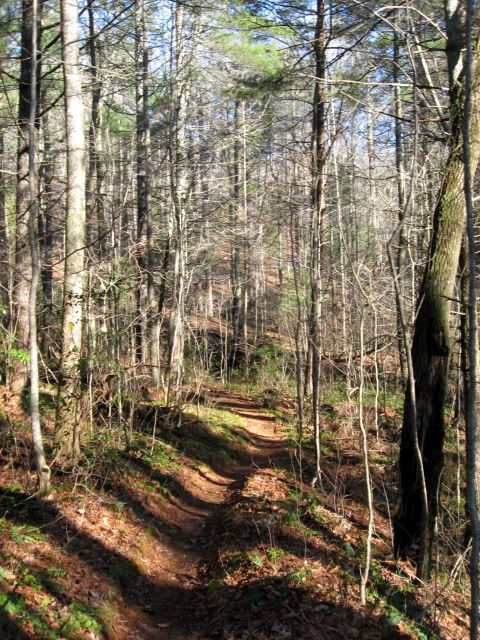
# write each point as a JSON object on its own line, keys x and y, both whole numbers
{"x": 399, "y": 605}
{"x": 381, "y": 458}
{"x": 204, "y": 453}
{"x": 107, "y": 611}
{"x": 291, "y": 433}
{"x": 256, "y": 559}
{"x": 162, "y": 456}
{"x": 337, "y": 394}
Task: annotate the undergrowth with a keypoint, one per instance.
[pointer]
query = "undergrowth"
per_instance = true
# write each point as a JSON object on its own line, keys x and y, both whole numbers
{"x": 126, "y": 474}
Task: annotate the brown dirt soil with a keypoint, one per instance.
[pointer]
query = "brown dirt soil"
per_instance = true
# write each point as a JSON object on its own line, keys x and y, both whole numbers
{"x": 235, "y": 549}
{"x": 150, "y": 582}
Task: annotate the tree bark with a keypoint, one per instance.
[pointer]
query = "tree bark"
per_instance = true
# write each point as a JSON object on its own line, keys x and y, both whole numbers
{"x": 23, "y": 263}
{"x": 5, "y": 265}
{"x": 45, "y": 216}
{"x": 179, "y": 190}
{"x": 68, "y": 418}
{"x": 319, "y": 156}
{"x": 147, "y": 345}
{"x": 471, "y": 395}
{"x": 401, "y": 188}
{"x": 431, "y": 347}
{"x": 43, "y": 470}
{"x": 235, "y": 255}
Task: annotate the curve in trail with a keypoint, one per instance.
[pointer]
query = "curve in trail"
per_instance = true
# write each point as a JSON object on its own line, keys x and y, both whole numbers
{"x": 167, "y": 614}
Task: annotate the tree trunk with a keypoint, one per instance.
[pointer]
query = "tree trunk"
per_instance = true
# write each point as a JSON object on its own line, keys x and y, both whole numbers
{"x": 45, "y": 217}
{"x": 235, "y": 256}
{"x": 95, "y": 170}
{"x": 431, "y": 348}
{"x": 319, "y": 156}
{"x": 43, "y": 470}
{"x": 5, "y": 265}
{"x": 67, "y": 436}
{"x": 179, "y": 195}
{"x": 23, "y": 262}
{"x": 471, "y": 395}
{"x": 401, "y": 188}
{"x": 147, "y": 345}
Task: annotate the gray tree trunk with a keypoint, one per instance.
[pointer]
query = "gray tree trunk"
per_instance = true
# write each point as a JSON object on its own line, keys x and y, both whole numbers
{"x": 178, "y": 150}
{"x": 23, "y": 261}
{"x": 68, "y": 418}
{"x": 43, "y": 470}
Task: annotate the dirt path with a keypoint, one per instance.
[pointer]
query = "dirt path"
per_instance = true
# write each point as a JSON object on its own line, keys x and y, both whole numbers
{"x": 176, "y": 577}
{"x": 204, "y": 533}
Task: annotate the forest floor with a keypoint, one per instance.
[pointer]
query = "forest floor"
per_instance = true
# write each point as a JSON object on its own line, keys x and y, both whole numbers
{"x": 204, "y": 530}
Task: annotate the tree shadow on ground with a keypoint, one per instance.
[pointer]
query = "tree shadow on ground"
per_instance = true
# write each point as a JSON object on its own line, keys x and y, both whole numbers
{"x": 275, "y": 606}
{"x": 269, "y": 605}
{"x": 137, "y": 589}
{"x": 9, "y": 629}
{"x": 256, "y": 605}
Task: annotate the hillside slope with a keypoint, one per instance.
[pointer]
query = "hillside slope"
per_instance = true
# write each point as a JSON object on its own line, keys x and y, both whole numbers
{"x": 205, "y": 530}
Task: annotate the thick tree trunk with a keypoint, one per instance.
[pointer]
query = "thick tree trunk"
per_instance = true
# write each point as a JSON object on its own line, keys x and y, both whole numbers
{"x": 205, "y": 161}
{"x": 96, "y": 169}
{"x": 23, "y": 262}
{"x": 68, "y": 417}
{"x": 471, "y": 396}
{"x": 431, "y": 350}
{"x": 45, "y": 216}
{"x": 93, "y": 201}
{"x": 246, "y": 279}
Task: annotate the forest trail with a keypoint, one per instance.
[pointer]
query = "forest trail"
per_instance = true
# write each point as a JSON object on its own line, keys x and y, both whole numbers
{"x": 204, "y": 531}
{"x": 223, "y": 228}
{"x": 183, "y": 558}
